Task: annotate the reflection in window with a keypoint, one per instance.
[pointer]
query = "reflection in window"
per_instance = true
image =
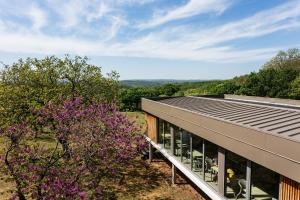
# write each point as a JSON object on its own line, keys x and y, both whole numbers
{"x": 211, "y": 164}
{"x": 197, "y": 154}
{"x": 177, "y": 142}
{"x": 186, "y": 148}
{"x": 160, "y": 131}
{"x": 235, "y": 170}
{"x": 167, "y": 136}
{"x": 265, "y": 183}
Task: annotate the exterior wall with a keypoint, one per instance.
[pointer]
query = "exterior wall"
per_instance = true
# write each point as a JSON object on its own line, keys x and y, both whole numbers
{"x": 289, "y": 189}
{"x": 151, "y": 127}
{"x": 270, "y": 151}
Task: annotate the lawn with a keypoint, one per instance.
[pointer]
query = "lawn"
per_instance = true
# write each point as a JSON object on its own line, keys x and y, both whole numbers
{"x": 136, "y": 116}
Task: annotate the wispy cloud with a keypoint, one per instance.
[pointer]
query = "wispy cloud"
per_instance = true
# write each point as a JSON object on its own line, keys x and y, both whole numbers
{"x": 106, "y": 19}
{"x": 191, "y": 8}
{"x": 131, "y": 2}
{"x": 38, "y": 17}
{"x": 101, "y": 10}
{"x": 117, "y": 23}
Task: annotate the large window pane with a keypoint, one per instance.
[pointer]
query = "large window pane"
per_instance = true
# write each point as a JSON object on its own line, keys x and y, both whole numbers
{"x": 177, "y": 142}
{"x": 235, "y": 170}
{"x": 211, "y": 164}
{"x": 265, "y": 183}
{"x": 197, "y": 154}
{"x": 160, "y": 131}
{"x": 186, "y": 148}
{"x": 167, "y": 136}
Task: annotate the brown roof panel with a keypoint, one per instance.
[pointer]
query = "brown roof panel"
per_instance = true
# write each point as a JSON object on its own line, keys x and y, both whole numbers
{"x": 284, "y": 122}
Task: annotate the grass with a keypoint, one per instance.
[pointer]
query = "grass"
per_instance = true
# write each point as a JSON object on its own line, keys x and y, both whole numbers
{"x": 136, "y": 116}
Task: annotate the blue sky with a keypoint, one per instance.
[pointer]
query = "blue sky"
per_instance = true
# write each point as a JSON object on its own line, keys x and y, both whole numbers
{"x": 153, "y": 39}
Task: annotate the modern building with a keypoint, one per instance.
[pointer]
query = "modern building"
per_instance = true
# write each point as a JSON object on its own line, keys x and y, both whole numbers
{"x": 231, "y": 148}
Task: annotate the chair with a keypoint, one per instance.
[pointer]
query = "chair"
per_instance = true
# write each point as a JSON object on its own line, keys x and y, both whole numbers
{"x": 177, "y": 149}
{"x": 242, "y": 185}
{"x": 234, "y": 185}
{"x": 208, "y": 165}
{"x": 197, "y": 163}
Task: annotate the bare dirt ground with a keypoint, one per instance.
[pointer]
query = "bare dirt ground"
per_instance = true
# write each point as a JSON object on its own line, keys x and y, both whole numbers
{"x": 153, "y": 182}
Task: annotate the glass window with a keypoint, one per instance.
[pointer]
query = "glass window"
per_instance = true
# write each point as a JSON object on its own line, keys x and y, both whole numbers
{"x": 265, "y": 183}
{"x": 197, "y": 155}
{"x": 160, "y": 131}
{"x": 177, "y": 142}
{"x": 235, "y": 170}
{"x": 211, "y": 164}
{"x": 186, "y": 148}
{"x": 167, "y": 136}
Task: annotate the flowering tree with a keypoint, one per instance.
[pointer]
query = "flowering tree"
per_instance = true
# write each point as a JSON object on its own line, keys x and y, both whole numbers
{"x": 90, "y": 143}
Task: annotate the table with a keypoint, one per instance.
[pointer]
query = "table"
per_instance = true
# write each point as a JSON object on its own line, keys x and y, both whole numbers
{"x": 259, "y": 194}
{"x": 197, "y": 154}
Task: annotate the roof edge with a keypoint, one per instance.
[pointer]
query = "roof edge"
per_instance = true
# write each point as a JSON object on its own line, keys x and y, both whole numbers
{"x": 265, "y": 100}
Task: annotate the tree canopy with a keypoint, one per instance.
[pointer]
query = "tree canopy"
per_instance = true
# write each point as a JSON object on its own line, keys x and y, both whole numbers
{"x": 289, "y": 59}
{"x": 31, "y": 83}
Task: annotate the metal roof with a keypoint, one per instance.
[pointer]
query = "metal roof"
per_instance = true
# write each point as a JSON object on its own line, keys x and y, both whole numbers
{"x": 272, "y": 119}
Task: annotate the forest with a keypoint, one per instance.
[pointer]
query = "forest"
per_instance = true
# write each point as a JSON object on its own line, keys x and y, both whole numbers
{"x": 279, "y": 78}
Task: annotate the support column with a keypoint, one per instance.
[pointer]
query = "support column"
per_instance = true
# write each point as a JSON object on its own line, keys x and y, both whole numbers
{"x": 203, "y": 159}
{"x": 181, "y": 145}
{"x": 158, "y": 136}
{"x": 248, "y": 180}
{"x": 191, "y": 150}
{"x": 163, "y": 133}
{"x": 150, "y": 152}
{"x": 221, "y": 170}
{"x": 173, "y": 174}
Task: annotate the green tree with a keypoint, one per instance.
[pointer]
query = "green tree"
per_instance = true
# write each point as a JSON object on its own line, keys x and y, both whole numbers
{"x": 269, "y": 82}
{"x": 226, "y": 87}
{"x": 284, "y": 60}
{"x": 295, "y": 88}
{"x": 31, "y": 83}
{"x": 168, "y": 89}
{"x": 131, "y": 97}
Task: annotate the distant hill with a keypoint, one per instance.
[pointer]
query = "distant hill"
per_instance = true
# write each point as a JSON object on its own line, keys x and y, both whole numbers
{"x": 153, "y": 82}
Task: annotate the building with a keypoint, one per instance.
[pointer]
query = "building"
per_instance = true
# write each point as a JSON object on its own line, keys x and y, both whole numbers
{"x": 231, "y": 148}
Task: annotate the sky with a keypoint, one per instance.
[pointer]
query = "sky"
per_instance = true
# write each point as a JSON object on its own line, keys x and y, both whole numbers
{"x": 153, "y": 39}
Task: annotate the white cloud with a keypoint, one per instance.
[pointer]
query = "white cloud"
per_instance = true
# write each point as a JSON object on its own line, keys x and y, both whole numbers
{"x": 69, "y": 12}
{"x": 134, "y": 2}
{"x": 282, "y": 17}
{"x": 191, "y": 8}
{"x": 101, "y": 10}
{"x": 26, "y": 10}
{"x": 116, "y": 24}
{"x": 181, "y": 42}
{"x": 37, "y": 16}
